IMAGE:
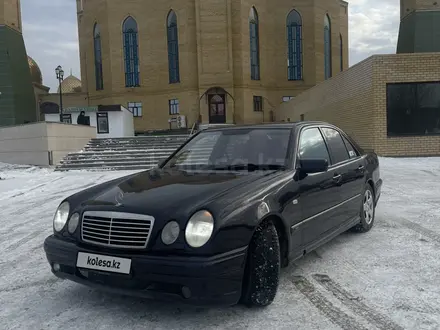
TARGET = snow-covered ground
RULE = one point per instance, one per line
(387, 279)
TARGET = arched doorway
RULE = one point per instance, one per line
(217, 100)
(217, 108)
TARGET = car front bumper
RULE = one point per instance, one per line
(196, 280)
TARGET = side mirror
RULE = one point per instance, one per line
(313, 165)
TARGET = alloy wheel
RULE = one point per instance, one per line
(368, 206)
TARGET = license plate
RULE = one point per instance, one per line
(103, 263)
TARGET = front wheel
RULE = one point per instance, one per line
(261, 277)
(367, 212)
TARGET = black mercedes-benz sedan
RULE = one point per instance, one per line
(217, 219)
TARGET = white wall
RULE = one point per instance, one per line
(42, 143)
(115, 125)
(120, 122)
(128, 122)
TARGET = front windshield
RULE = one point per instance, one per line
(234, 149)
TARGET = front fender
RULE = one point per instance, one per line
(238, 227)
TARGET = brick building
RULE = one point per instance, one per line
(222, 60)
(387, 103)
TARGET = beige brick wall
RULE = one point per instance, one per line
(355, 100)
(345, 100)
(214, 52)
(395, 69)
(343, 30)
(69, 99)
(155, 107)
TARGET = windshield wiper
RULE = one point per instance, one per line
(250, 167)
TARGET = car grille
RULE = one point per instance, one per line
(116, 229)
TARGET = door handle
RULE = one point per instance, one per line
(337, 177)
(361, 167)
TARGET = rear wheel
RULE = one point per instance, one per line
(261, 277)
(367, 212)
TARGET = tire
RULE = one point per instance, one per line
(367, 212)
(262, 271)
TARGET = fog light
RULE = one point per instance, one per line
(56, 267)
(170, 232)
(186, 292)
(73, 223)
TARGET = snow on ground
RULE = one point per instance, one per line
(385, 279)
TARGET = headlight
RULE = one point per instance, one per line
(170, 232)
(199, 229)
(73, 223)
(61, 216)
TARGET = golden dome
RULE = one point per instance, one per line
(71, 85)
(36, 75)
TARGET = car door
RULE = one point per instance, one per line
(318, 192)
(347, 163)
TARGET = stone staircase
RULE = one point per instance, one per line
(130, 153)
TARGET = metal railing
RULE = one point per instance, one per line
(192, 129)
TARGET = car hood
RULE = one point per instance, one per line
(164, 192)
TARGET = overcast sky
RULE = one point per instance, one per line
(51, 36)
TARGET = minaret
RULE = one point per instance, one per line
(10, 14)
(17, 98)
(419, 26)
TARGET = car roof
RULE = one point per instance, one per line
(289, 125)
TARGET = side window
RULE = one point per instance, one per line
(351, 151)
(312, 145)
(336, 145)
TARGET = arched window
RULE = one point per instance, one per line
(98, 57)
(294, 46)
(131, 52)
(255, 44)
(327, 48)
(341, 52)
(173, 48)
